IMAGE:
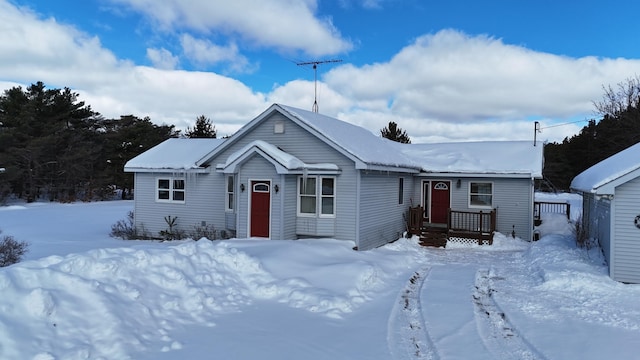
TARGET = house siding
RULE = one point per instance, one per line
(596, 215)
(625, 265)
(512, 197)
(381, 216)
(307, 147)
(204, 203)
(257, 168)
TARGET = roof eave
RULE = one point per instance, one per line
(198, 170)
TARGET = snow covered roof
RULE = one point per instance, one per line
(358, 142)
(173, 154)
(367, 150)
(285, 163)
(478, 158)
(603, 177)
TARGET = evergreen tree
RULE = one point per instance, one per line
(618, 129)
(124, 139)
(394, 133)
(202, 129)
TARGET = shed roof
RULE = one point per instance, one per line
(603, 177)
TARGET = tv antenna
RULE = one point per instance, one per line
(315, 64)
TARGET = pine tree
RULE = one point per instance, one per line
(394, 133)
(202, 129)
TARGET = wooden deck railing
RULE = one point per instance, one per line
(540, 207)
(472, 225)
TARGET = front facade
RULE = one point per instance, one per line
(291, 174)
(611, 211)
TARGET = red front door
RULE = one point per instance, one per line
(260, 206)
(440, 201)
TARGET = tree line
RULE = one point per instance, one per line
(55, 147)
(617, 129)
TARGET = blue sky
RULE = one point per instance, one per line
(445, 71)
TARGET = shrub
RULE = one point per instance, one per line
(172, 232)
(11, 251)
(582, 235)
(126, 229)
(204, 231)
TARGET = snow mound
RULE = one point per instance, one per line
(109, 303)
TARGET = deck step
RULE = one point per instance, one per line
(435, 237)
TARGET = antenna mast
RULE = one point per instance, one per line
(315, 64)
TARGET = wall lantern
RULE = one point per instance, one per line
(276, 188)
(458, 183)
(242, 187)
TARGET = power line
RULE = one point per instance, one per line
(563, 124)
(315, 64)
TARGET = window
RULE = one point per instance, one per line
(481, 194)
(229, 203)
(307, 198)
(316, 195)
(170, 190)
(328, 196)
(400, 191)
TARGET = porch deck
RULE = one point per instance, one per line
(464, 226)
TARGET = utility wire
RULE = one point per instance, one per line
(556, 125)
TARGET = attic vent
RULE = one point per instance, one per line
(278, 127)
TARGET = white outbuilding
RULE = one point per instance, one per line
(611, 210)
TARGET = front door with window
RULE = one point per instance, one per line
(260, 208)
(440, 201)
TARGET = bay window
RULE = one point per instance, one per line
(316, 196)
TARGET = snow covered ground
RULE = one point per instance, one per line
(83, 295)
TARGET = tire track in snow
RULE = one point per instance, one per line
(407, 336)
(498, 334)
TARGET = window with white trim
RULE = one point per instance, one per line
(170, 190)
(316, 196)
(481, 194)
(230, 198)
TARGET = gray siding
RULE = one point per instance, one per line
(381, 219)
(596, 215)
(203, 203)
(289, 203)
(299, 142)
(513, 199)
(257, 168)
(625, 265)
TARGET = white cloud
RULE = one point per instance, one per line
(445, 86)
(203, 53)
(162, 58)
(449, 79)
(281, 24)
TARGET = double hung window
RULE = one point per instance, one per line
(170, 190)
(481, 194)
(316, 196)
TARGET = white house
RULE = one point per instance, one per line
(291, 173)
(611, 210)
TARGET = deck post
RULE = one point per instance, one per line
(480, 228)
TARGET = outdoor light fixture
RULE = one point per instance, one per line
(242, 187)
(276, 188)
(458, 183)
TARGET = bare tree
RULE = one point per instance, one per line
(620, 99)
